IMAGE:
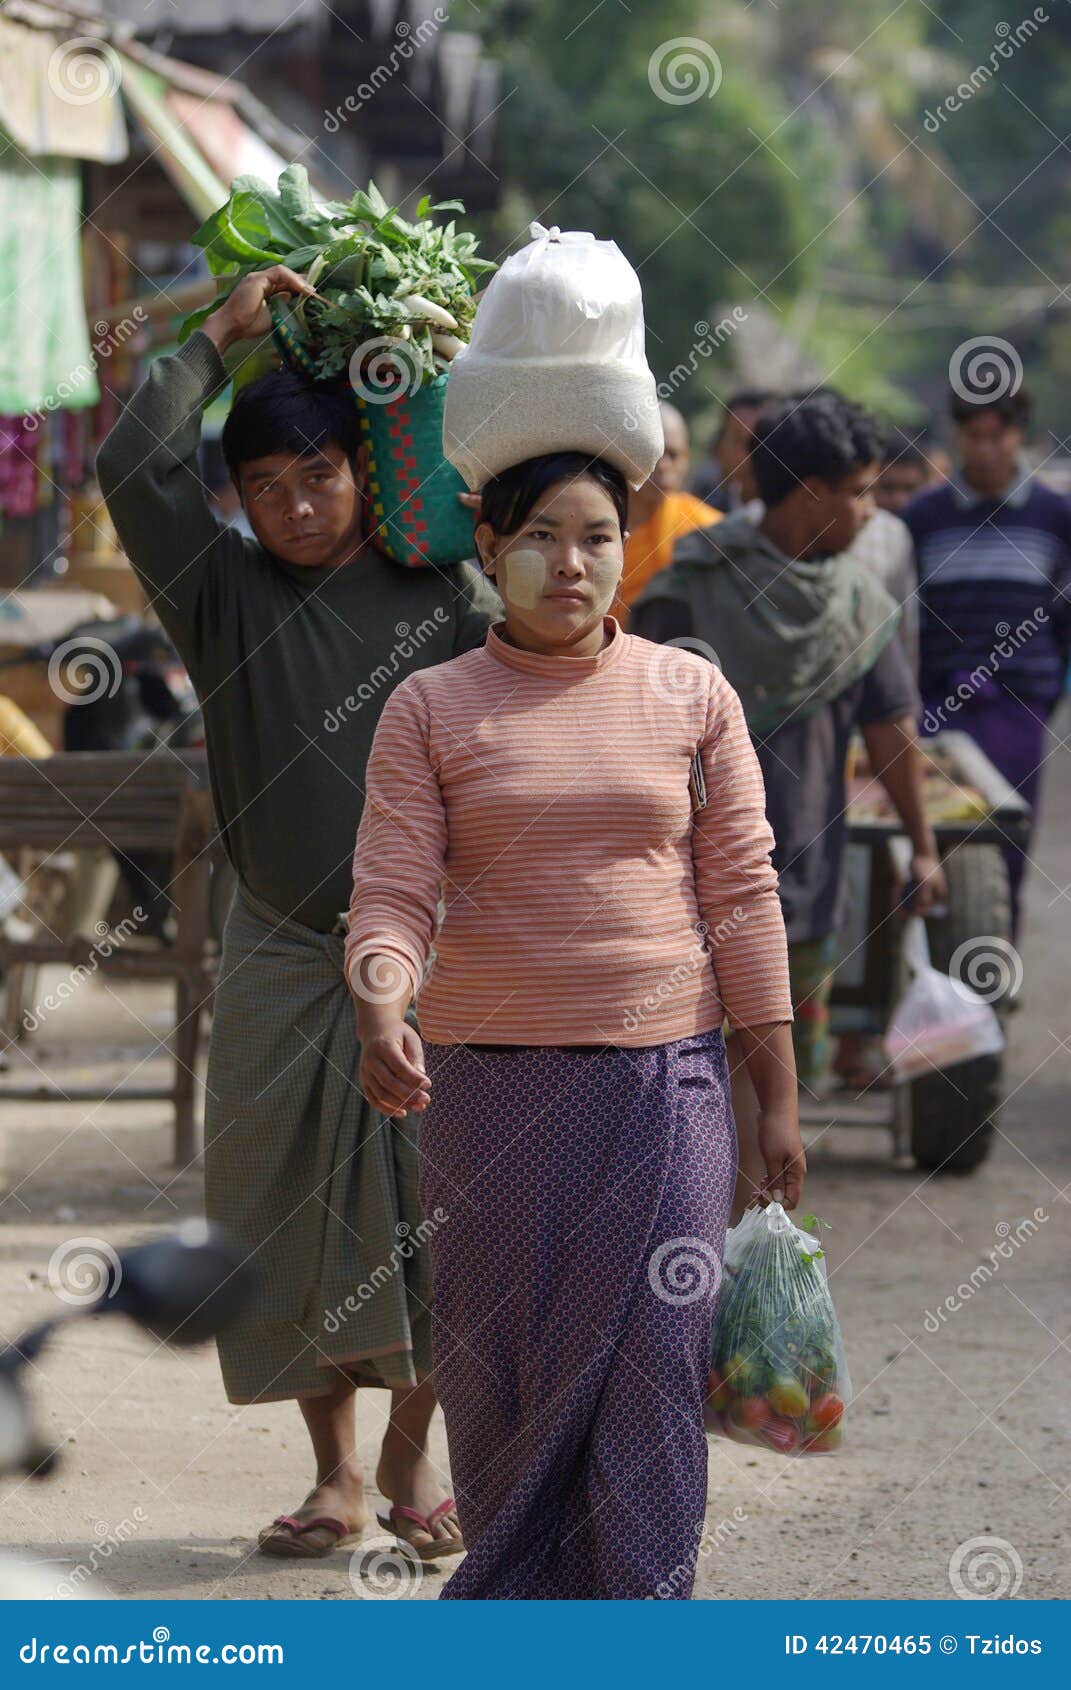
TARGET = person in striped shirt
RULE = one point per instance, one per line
(593, 811)
(994, 558)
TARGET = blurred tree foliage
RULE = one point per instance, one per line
(821, 183)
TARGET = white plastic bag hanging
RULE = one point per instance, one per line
(556, 362)
(938, 1021)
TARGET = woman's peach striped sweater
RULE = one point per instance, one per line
(547, 798)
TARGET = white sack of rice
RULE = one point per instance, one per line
(556, 362)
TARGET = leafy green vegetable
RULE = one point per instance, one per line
(376, 273)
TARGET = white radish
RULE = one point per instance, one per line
(418, 306)
(447, 345)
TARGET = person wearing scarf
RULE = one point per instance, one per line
(806, 637)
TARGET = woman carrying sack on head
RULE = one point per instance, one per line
(591, 808)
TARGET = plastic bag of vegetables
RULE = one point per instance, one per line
(778, 1376)
(396, 302)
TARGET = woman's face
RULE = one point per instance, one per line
(558, 574)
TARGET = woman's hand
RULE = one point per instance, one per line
(771, 1068)
(392, 1073)
(781, 1149)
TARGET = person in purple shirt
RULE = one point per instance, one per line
(993, 546)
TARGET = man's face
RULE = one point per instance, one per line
(839, 509)
(897, 484)
(988, 448)
(305, 510)
(734, 441)
(672, 467)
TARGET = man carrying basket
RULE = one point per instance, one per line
(295, 640)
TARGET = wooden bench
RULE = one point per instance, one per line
(127, 801)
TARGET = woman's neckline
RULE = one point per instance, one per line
(558, 664)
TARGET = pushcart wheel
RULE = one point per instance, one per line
(952, 1113)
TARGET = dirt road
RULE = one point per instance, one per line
(960, 1430)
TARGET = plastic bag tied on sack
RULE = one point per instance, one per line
(581, 302)
(778, 1376)
(939, 1021)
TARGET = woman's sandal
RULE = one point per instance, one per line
(292, 1546)
(439, 1546)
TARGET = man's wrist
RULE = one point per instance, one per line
(219, 331)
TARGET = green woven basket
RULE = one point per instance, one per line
(416, 516)
(412, 488)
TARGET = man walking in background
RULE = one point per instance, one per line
(994, 560)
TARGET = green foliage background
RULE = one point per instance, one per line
(865, 243)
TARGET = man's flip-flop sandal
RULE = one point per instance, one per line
(292, 1544)
(439, 1546)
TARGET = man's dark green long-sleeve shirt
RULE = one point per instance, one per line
(292, 665)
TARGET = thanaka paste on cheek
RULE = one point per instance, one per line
(522, 577)
(605, 578)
